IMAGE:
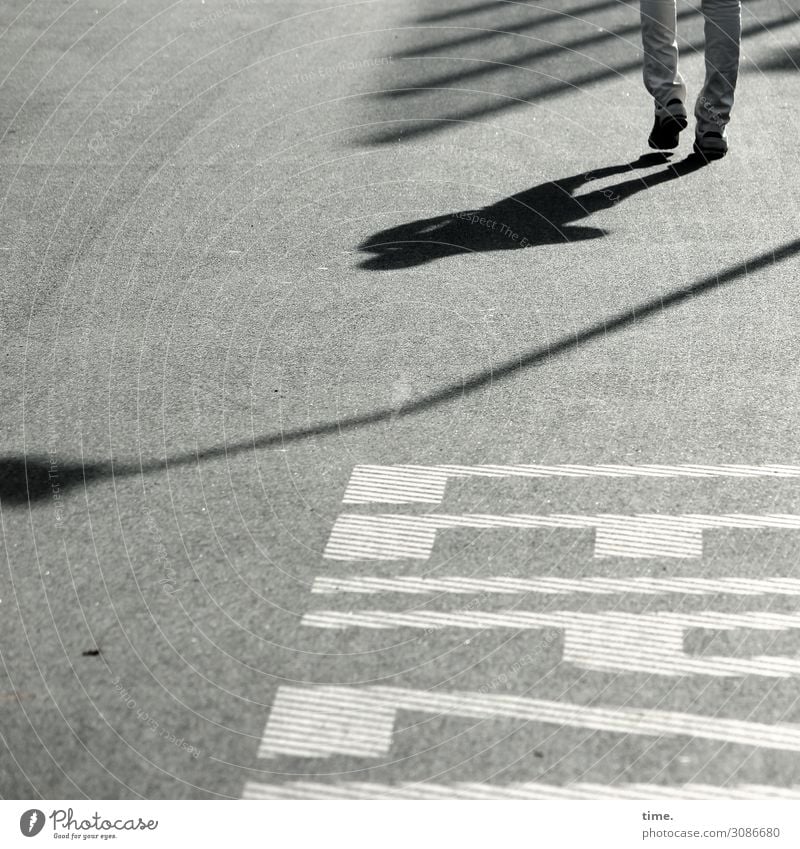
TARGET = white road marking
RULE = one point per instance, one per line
(558, 586)
(406, 484)
(523, 790)
(519, 619)
(393, 537)
(606, 642)
(322, 721)
(326, 720)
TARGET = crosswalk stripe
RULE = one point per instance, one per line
(520, 619)
(360, 721)
(522, 790)
(604, 642)
(426, 484)
(392, 536)
(557, 586)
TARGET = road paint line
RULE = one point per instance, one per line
(520, 619)
(557, 586)
(298, 715)
(360, 721)
(393, 537)
(426, 484)
(522, 790)
(658, 536)
(602, 642)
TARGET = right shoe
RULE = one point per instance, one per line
(668, 126)
(711, 145)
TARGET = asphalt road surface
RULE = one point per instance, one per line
(379, 418)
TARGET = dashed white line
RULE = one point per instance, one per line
(557, 586)
(522, 790)
(518, 619)
(605, 642)
(426, 484)
(394, 537)
(360, 721)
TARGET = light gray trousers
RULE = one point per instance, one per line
(723, 32)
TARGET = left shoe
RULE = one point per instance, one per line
(668, 126)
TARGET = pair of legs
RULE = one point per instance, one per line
(723, 31)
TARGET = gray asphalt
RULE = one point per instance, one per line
(232, 273)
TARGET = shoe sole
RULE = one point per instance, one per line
(710, 153)
(666, 137)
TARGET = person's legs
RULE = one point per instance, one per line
(660, 43)
(723, 29)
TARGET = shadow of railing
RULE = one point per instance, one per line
(781, 60)
(542, 18)
(31, 478)
(480, 72)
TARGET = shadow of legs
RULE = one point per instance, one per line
(544, 214)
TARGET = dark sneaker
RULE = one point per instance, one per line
(668, 126)
(710, 145)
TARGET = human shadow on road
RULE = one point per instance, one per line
(29, 478)
(542, 215)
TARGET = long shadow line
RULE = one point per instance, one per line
(538, 53)
(437, 17)
(502, 102)
(32, 477)
(784, 59)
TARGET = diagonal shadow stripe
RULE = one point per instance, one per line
(479, 34)
(25, 478)
(403, 129)
(496, 5)
(488, 66)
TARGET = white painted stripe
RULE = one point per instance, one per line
(524, 790)
(651, 536)
(603, 642)
(392, 536)
(299, 724)
(519, 619)
(408, 483)
(558, 586)
(395, 484)
(360, 721)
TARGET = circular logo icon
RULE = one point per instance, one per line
(31, 822)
